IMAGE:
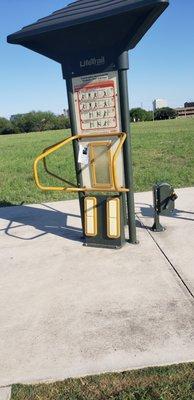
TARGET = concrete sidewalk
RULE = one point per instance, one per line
(178, 241)
(68, 310)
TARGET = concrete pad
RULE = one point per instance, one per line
(69, 311)
(177, 241)
(5, 393)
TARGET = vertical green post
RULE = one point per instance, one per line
(74, 132)
(127, 151)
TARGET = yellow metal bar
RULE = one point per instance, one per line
(45, 154)
(51, 149)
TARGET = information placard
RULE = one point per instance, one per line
(97, 103)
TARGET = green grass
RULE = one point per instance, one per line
(162, 151)
(167, 383)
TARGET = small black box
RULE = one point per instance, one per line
(164, 198)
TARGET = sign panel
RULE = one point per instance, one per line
(96, 99)
(83, 156)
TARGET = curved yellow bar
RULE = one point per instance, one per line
(57, 146)
(45, 154)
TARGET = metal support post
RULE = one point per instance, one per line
(125, 121)
(157, 227)
(75, 144)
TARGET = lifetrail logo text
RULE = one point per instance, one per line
(92, 62)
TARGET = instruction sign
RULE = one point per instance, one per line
(97, 103)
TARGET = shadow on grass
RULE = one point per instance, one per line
(44, 220)
(4, 203)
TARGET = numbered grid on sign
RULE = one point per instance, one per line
(97, 106)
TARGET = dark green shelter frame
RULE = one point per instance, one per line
(94, 36)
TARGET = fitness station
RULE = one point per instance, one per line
(91, 40)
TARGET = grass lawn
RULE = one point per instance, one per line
(161, 151)
(167, 383)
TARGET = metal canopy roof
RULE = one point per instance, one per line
(89, 27)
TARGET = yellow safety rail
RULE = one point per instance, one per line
(57, 146)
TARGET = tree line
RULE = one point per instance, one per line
(38, 121)
(34, 121)
(139, 114)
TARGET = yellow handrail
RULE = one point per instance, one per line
(57, 146)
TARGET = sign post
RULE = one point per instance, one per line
(123, 81)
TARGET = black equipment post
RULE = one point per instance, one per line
(74, 131)
(127, 151)
(164, 203)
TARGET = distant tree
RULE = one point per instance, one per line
(6, 127)
(35, 121)
(62, 122)
(67, 123)
(165, 113)
(139, 114)
(149, 116)
(38, 121)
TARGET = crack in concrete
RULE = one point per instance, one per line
(166, 257)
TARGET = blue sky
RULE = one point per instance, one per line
(161, 66)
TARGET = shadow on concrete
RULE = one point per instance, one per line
(146, 210)
(177, 214)
(45, 220)
(140, 224)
